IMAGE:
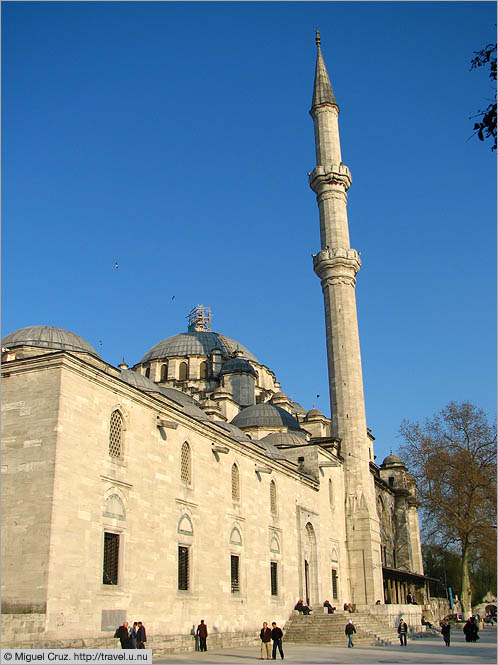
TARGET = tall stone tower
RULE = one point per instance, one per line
(337, 265)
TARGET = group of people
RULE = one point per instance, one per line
(267, 636)
(132, 638)
(302, 608)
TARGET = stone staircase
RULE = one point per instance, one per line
(319, 628)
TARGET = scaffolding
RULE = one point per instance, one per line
(199, 319)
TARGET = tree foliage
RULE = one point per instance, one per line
(452, 456)
(486, 127)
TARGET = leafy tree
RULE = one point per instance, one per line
(486, 127)
(442, 564)
(452, 456)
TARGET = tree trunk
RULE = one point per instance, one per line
(466, 591)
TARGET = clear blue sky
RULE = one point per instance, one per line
(175, 139)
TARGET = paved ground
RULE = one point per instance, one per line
(422, 651)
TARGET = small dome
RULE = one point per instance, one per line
(297, 408)
(196, 343)
(392, 460)
(286, 438)
(139, 381)
(237, 364)
(265, 415)
(48, 337)
(313, 413)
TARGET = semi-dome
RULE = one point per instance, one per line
(196, 343)
(139, 381)
(265, 415)
(237, 364)
(48, 337)
(286, 438)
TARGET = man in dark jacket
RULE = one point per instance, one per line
(446, 632)
(276, 636)
(402, 631)
(265, 636)
(123, 636)
(202, 632)
(141, 636)
(349, 630)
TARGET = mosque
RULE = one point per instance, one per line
(189, 485)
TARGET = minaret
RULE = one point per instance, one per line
(337, 265)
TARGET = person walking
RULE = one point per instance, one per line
(402, 631)
(265, 636)
(349, 630)
(202, 632)
(133, 635)
(141, 635)
(445, 631)
(123, 635)
(276, 636)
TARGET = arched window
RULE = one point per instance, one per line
(116, 435)
(331, 493)
(183, 371)
(273, 497)
(164, 372)
(147, 372)
(203, 368)
(235, 483)
(185, 464)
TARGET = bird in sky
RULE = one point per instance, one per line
(100, 342)
(173, 297)
(116, 265)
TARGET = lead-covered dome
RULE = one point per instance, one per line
(265, 415)
(393, 460)
(238, 364)
(48, 337)
(196, 343)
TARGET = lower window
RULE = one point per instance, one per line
(235, 573)
(274, 578)
(111, 558)
(334, 583)
(183, 568)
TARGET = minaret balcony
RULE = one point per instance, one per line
(338, 261)
(331, 174)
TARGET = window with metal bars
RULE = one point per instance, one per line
(183, 568)
(111, 558)
(235, 573)
(274, 578)
(185, 464)
(235, 483)
(334, 584)
(116, 435)
(273, 497)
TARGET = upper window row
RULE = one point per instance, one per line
(183, 371)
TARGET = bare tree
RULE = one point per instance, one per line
(452, 456)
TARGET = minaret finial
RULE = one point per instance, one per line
(317, 38)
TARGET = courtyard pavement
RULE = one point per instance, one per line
(427, 650)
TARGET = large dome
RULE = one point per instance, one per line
(196, 343)
(265, 415)
(48, 337)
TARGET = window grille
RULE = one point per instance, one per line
(203, 370)
(111, 558)
(183, 371)
(334, 584)
(234, 573)
(235, 483)
(274, 578)
(115, 434)
(164, 372)
(183, 568)
(273, 497)
(185, 472)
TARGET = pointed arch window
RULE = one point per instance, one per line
(273, 498)
(235, 483)
(183, 371)
(116, 435)
(186, 464)
(164, 372)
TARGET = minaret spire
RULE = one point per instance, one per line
(337, 265)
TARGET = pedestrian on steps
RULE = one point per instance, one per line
(349, 630)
